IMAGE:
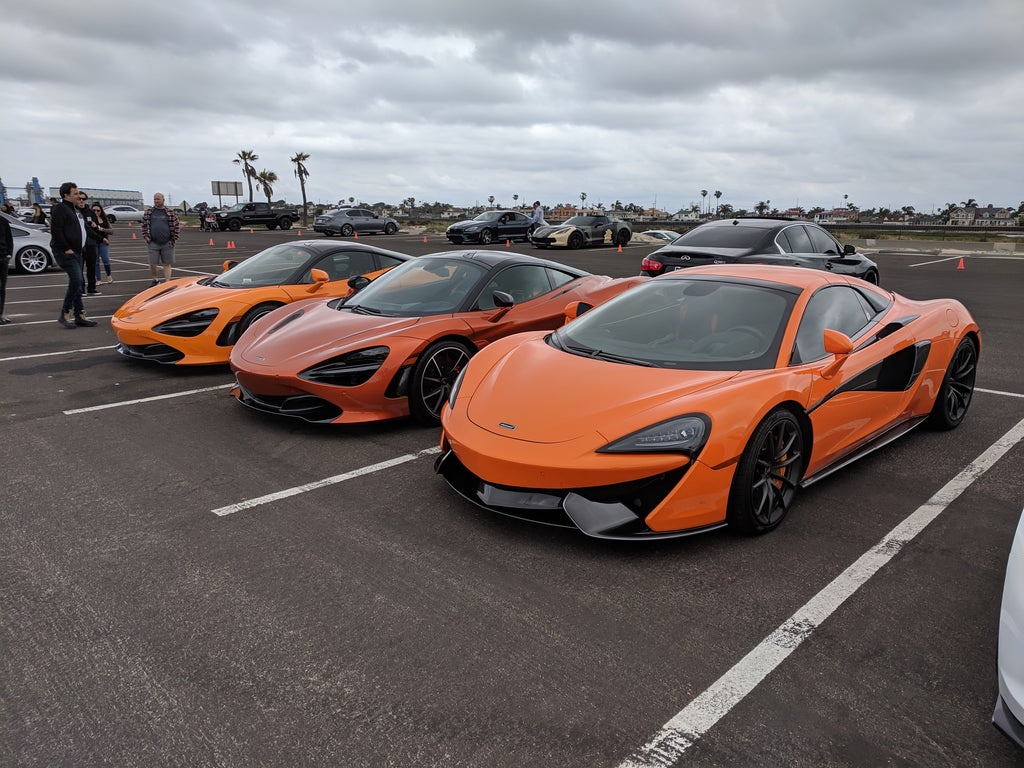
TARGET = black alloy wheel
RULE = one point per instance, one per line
(390, 228)
(871, 277)
(284, 223)
(623, 237)
(486, 237)
(575, 240)
(347, 230)
(957, 388)
(433, 377)
(768, 474)
(234, 225)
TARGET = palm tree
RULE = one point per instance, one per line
(515, 199)
(246, 158)
(267, 179)
(302, 173)
(718, 195)
(490, 199)
(583, 199)
(703, 195)
(970, 202)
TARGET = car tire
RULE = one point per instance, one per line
(284, 223)
(871, 277)
(252, 316)
(575, 241)
(111, 218)
(390, 228)
(433, 377)
(486, 237)
(347, 230)
(32, 260)
(768, 474)
(235, 224)
(957, 388)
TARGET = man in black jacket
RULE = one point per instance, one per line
(67, 239)
(6, 251)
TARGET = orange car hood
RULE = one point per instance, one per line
(317, 334)
(551, 396)
(154, 306)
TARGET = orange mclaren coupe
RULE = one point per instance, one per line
(196, 321)
(396, 347)
(701, 399)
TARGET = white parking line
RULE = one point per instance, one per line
(683, 730)
(48, 354)
(937, 261)
(277, 496)
(146, 399)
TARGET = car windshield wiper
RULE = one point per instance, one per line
(363, 310)
(610, 356)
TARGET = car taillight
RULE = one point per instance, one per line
(650, 265)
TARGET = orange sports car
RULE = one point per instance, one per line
(703, 398)
(395, 347)
(196, 321)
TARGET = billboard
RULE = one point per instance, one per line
(233, 188)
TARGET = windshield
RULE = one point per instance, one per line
(488, 216)
(736, 236)
(585, 221)
(235, 207)
(697, 324)
(423, 286)
(273, 266)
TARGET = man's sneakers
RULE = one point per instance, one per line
(81, 319)
(66, 319)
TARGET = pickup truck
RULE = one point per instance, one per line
(251, 214)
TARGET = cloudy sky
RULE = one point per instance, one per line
(800, 102)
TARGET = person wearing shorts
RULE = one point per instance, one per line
(160, 230)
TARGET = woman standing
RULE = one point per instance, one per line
(38, 216)
(103, 247)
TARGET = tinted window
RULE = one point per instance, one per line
(736, 236)
(839, 308)
(342, 265)
(424, 286)
(822, 241)
(270, 267)
(523, 282)
(388, 261)
(799, 242)
(559, 278)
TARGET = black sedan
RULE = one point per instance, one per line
(760, 241)
(491, 226)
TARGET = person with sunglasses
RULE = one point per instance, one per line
(105, 228)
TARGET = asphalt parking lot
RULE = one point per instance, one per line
(186, 582)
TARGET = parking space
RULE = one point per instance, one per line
(189, 582)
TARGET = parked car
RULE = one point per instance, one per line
(580, 231)
(701, 399)
(491, 226)
(196, 320)
(395, 348)
(123, 213)
(32, 253)
(255, 214)
(760, 241)
(661, 234)
(350, 221)
(1009, 711)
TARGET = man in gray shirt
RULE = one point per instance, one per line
(160, 230)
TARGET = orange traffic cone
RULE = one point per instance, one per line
(508, 243)
(356, 235)
(298, 233)
(424, 238)
(620, 247)
(129, 223)
(211, 241)
(961, 264)
(250, 230)
(133, 235)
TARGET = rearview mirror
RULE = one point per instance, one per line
(320, 278)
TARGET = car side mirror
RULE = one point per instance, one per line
(574, 309)
(840, 345)
(229, 264)
(358, 282)
(503, 300)
(320, 279)
(849, 249)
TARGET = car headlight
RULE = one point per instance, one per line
(348, 370)
(683, 434)
(188, 325)
(455, 387)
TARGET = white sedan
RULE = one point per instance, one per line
(123, 213)
(1009, 713)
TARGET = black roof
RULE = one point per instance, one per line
(495, 258)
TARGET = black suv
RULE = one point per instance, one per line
(760, 241)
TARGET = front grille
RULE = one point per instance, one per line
(157, 353)
(306, 407)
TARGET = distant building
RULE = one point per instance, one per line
(983, 217)
(793, 213)
(836, 216)
(108, 197)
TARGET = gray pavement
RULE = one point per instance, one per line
(379, 620)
